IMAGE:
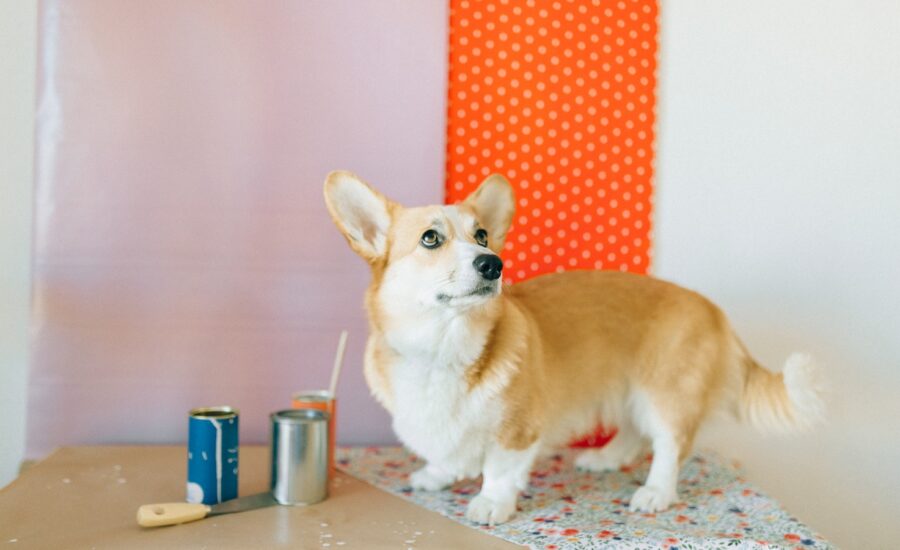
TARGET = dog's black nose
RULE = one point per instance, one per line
(489, 265)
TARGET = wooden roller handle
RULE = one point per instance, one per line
(170, 513)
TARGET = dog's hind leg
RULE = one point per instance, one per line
(505, 473)
(622, 450)
(660, 489)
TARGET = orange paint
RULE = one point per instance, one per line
(321, 400)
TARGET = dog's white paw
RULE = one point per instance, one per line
(485, 510)
(425, 480)
(596, 460)
(651, 499)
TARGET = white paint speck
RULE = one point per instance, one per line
(327, 536)
(323, 525)
(122, 480)
(67, 480)
(340, 543)
(117, 467)
(13, 540)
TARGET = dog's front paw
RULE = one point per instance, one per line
(427, 480)
(651, 499)
(484, 510)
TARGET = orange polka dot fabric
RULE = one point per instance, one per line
(558, 96)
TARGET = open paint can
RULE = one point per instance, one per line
(322, 400)
(212, 455)
(300, 456)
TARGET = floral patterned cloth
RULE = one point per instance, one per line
(566, 508)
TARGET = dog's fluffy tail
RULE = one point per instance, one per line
(782, 402)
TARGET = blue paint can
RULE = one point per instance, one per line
(212, 455)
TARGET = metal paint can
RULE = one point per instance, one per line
(299, 456)
(212, 475)
(321, 400)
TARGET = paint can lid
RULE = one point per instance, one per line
(214, 412)
(312, 396)
(299, 416)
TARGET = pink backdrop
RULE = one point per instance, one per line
(183, 254)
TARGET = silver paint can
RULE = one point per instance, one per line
(299, 456)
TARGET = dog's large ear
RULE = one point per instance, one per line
(361, 213)
(494, 204)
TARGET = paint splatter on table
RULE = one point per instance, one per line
(566, 508)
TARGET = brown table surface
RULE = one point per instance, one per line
(86, 497)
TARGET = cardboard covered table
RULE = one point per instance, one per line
(87, 497)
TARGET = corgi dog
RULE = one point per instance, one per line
(479, 377)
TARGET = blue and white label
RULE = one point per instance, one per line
(212, 459)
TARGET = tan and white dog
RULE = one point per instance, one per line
(479, 377)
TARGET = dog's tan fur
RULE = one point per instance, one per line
(575, 345)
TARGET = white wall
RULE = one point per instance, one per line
(778, 196)
(17, 77)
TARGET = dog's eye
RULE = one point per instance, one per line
(431, 239)
(481, 237)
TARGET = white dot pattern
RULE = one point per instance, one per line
(558, 96)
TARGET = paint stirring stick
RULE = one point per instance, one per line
(338, 362)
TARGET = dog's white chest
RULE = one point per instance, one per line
(439, 418)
